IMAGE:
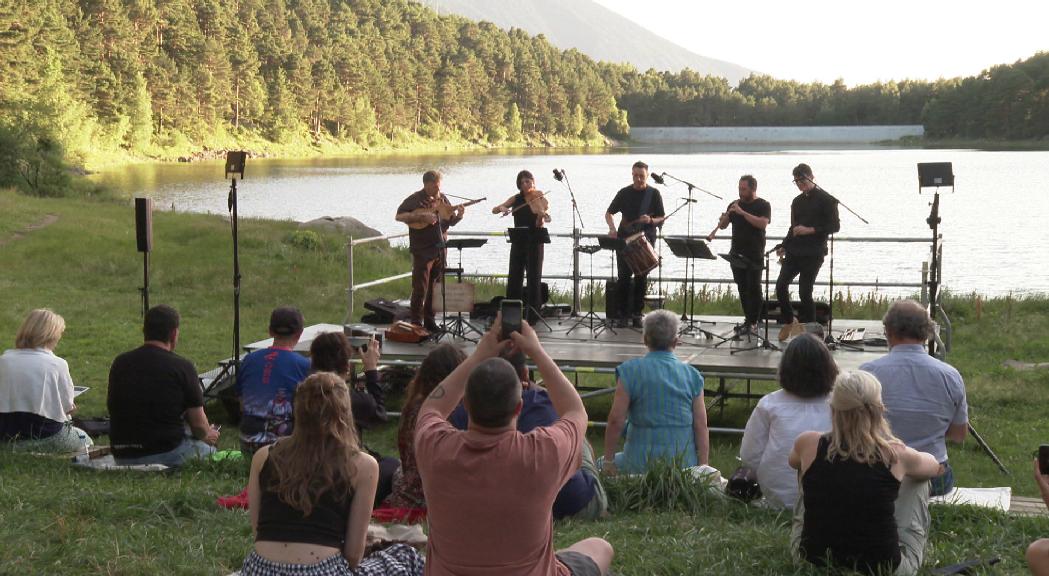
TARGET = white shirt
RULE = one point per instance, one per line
(769, 437)
(35, 381)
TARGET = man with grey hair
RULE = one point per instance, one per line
(662, 397)
(924, 397)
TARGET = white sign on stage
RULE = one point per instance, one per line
(460, 297)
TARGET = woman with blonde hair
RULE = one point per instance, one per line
(310, 494)
(36, 390)
(864, 494)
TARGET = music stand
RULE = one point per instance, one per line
(457, 327)
(602, 323)
(691, 249)
(530, 236)
(616, 246)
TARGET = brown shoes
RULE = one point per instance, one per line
(791, 330)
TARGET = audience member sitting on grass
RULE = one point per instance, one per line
(153, 395)
(407, 486)
(1038, 551)
(331, 352)
(310, 495)
(924, 397)
(864, 502)
(582, 497)
(659, 403)
(806, 375)
(36, 390)
(490, 489)
(266, 382)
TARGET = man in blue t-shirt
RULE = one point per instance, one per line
(267, 380)
(582, 497)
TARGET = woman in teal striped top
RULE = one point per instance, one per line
(658, 403)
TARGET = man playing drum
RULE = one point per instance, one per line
(642, 209)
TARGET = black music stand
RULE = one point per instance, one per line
(457, 327)
(691, 249)
(601, 324)
(529, 236)
(616, 247)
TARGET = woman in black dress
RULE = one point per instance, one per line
(526, 255)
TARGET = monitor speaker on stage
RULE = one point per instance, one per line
(144, 224)
(935, 174)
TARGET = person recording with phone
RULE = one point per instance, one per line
(1038, 551)
(528, 208)
(490, 478)
(749, 217)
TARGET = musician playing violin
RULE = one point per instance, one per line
(749, 217)
(529, 208)
(642, 209)
(425, 244)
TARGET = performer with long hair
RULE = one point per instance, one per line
(528, 207)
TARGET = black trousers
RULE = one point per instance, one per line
(748, 284)
(631, 289)
(807, 267)
(526, 257)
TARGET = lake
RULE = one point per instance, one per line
(993, 224)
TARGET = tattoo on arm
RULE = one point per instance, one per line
(437, 393)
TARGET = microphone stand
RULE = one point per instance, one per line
(766, 344)
(830, 340)
(577, 227)
(690, 266)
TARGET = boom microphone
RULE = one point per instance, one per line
(559, 175)
(659, 179)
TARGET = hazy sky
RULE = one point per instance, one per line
(824, 40)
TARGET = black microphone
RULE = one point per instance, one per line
(692, 200)
(559, 175)
(658, 178)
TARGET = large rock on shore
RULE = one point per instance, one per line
(345, 225)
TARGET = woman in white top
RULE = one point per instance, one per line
(36, 391)
(806, 375)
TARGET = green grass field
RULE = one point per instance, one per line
(58, 520)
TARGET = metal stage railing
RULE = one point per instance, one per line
(576, 277)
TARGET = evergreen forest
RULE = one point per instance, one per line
(80, 79)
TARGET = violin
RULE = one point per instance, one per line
(537, 203)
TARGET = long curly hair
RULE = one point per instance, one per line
(318, 456)
(859, 430)
(437, 365)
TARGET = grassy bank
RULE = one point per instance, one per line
(83, 264)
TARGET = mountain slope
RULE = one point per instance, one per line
(593, 30)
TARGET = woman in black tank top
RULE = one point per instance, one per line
(310, 495)
(526, 255)
(853, 511)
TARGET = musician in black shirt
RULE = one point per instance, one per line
(526, 255)
(813, 217)
(642, 209)
(749, 217)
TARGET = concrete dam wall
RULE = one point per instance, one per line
(773, 134)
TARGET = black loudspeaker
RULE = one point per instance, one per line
(144, 224)
(932, 174)
(612, 299)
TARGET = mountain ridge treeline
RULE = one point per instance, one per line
(145, 77)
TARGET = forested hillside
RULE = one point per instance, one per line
(149, 78)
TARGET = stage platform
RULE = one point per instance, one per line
(581, 351)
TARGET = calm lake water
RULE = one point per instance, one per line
(994, 232)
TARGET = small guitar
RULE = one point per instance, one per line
(444, 211)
